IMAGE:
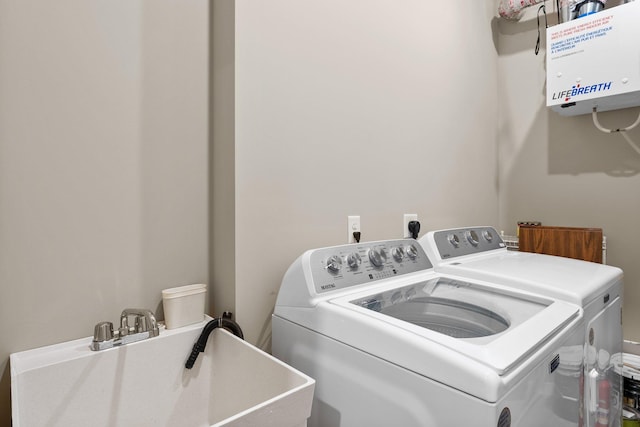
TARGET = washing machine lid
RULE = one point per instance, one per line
(493, 327)
(451, 307)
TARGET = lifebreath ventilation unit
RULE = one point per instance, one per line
(593, 62)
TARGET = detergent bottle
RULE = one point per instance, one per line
(601, 390)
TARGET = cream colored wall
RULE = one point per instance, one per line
(375, 108)
(103, 163)
(370, 107)
(222, 265)
(562, 170)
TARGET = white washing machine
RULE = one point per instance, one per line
(479, 253)
(390, 342)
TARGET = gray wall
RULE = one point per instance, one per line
(103, 163)
(562, 170)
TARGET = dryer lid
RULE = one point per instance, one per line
(569, 279)
(485, 257)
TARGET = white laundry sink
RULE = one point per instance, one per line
(145, 383)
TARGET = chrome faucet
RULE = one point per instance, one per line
(145, 321)
(145, 326)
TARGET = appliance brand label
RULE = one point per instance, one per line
(578, 90)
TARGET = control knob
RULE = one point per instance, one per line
(488, 236)
(454, 240)
(377, 257)
(398, 253)
(472, 237)
(354, 260)
(412, 251)
(334, 264)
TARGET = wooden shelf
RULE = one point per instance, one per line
(570, 242)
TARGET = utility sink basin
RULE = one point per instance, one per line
(145, 383)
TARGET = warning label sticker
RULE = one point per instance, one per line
(568, 41)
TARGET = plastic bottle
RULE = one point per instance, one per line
(603, 391)
(581, 401)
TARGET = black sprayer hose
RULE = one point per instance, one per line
(201, 343)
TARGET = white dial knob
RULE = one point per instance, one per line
(488, 235)
(334, 264)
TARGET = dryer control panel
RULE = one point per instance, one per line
(340, 267)
(466, 241)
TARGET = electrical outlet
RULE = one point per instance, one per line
(405, 224)
(353, 225)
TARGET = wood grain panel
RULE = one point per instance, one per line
(570, 242)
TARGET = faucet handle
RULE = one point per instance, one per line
(145, 321)
(103, 331)
(124, 327)
(141, 324)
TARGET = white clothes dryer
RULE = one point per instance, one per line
(479, 253)
(391, 342)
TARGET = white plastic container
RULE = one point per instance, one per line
(184, 305)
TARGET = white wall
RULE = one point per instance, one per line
(103, 163)
(562, 170)
(365, 107)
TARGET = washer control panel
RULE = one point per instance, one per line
(466, 241)
(340, 267)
